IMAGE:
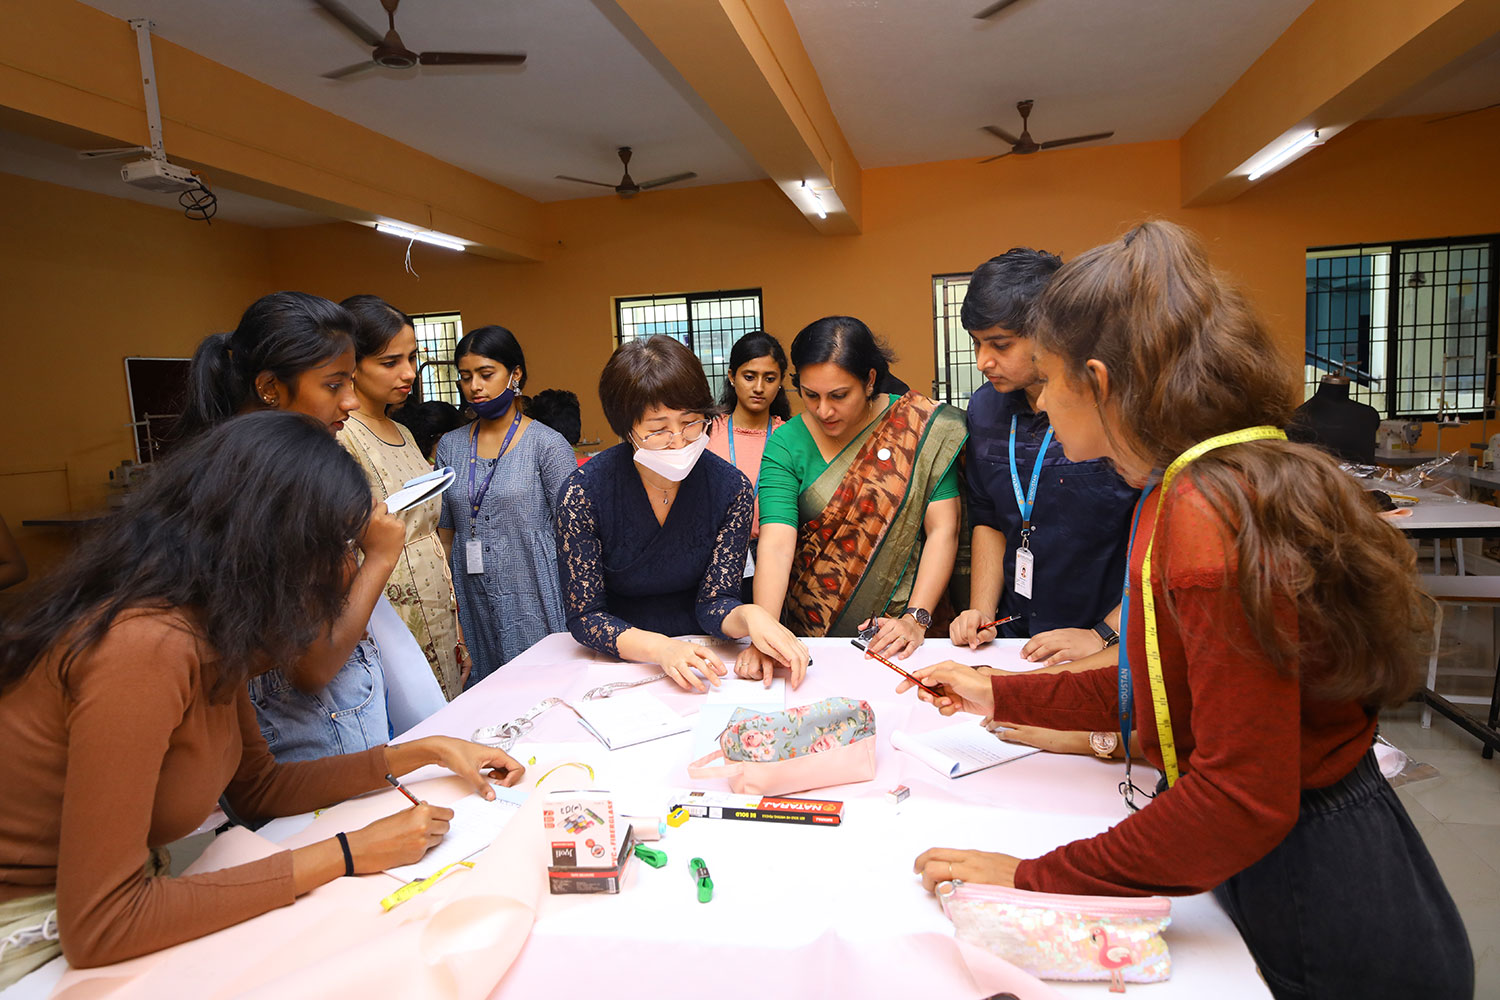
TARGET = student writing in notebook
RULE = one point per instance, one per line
(124, 713)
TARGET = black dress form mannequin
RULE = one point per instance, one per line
(1337, 424)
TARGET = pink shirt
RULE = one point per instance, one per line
(749, 446)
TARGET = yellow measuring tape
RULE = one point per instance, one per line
(1153, 644)
(411, 889)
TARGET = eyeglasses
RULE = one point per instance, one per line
(657, 440)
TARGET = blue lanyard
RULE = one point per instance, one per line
(1027, 502)
(1127, 689)
(477, 499)
(731, 449)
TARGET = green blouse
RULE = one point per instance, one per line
(792, 462)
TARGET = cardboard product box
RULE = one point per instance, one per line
(569, 880)
(761, 808)
(582, 828)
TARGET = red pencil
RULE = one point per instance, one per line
(999, 621)
(402, 789)
(937, 691)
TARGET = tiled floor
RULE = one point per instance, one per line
(1458, 812)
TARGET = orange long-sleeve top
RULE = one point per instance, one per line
(1249, 739)
(130, 754)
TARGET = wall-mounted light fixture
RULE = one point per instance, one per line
(420, 235)
(1296, 147)
(817, 200)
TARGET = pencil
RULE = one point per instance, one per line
(998, 621)
(402, 789)
(936, 692)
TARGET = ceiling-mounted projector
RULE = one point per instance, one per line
(158, 175)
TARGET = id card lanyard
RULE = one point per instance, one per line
(474, 549)
(1154, 674)
(749, 555)
(1025, 561)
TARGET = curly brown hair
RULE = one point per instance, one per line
(1187, 360)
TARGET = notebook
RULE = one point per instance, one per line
(419, 490)
(475, 824)
(629, 718)
(958, 750)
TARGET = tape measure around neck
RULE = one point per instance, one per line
(1148, 601)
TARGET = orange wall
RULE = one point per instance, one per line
(88, 281)
(1377, 181)
(91, 279)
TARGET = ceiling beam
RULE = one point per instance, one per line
(70, 64)
(1339, 61)
(746, 61)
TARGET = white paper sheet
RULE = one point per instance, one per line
(959, 750)
(475, 825)
(630, 717)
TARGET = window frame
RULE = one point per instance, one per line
(712, 370)
(427, 359)
(951, 353)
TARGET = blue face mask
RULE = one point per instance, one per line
(493, 409)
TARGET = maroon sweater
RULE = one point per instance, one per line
(1249, 739)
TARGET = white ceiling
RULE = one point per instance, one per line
(910, 80)
(40, 160)
(590, 84)
(913, 82)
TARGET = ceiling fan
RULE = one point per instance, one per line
(1026, 145)
(628, 188)
(391, 52)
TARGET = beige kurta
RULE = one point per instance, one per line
(420, 586)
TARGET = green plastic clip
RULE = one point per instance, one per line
(699, 871)
(650, 855)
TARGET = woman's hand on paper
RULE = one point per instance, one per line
(965, 630)
(1061, 645)
(398, 839)
(944, 864)
(896, 638)
(383, 537)
(776, 645)
(968, 690)
(1051, 740)
(469, 761)
(682, 662)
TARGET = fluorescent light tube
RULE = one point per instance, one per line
(421, 236)
(817, 200)
(1308, 140)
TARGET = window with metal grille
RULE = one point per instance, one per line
(707, 322)
(1411, 324)
(953, 350)
(437, 335)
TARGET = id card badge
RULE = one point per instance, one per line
(1025, 566)
(474, 556)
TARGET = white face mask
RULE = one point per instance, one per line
(673, 464)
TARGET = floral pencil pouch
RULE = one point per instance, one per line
(830, 742)
(1052, 936)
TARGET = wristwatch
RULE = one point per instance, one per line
(922, 615)
(1104, 744)
(1109, 635)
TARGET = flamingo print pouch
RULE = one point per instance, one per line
(830, 742)
(1106, 938)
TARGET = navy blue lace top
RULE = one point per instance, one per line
(620, 569)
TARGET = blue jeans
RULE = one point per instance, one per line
(1350, 904)
(347, 716)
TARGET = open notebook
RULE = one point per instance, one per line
(959, 750)
(420, 489)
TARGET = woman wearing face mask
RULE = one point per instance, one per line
(756, 404)
(497, 518)
(294, 351)
(859, 499)
(652, 532)
(420, 589)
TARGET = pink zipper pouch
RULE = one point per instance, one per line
(830, 742)
(1073, 938)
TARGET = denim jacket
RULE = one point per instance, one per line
(347, 716)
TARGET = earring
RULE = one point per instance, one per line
(269, 400)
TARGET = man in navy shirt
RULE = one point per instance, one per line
(1050, 536)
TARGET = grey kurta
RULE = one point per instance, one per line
(516, 601)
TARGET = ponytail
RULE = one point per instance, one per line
(214, 392)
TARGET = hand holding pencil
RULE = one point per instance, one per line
(973, 628)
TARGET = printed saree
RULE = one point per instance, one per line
(861, 535)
